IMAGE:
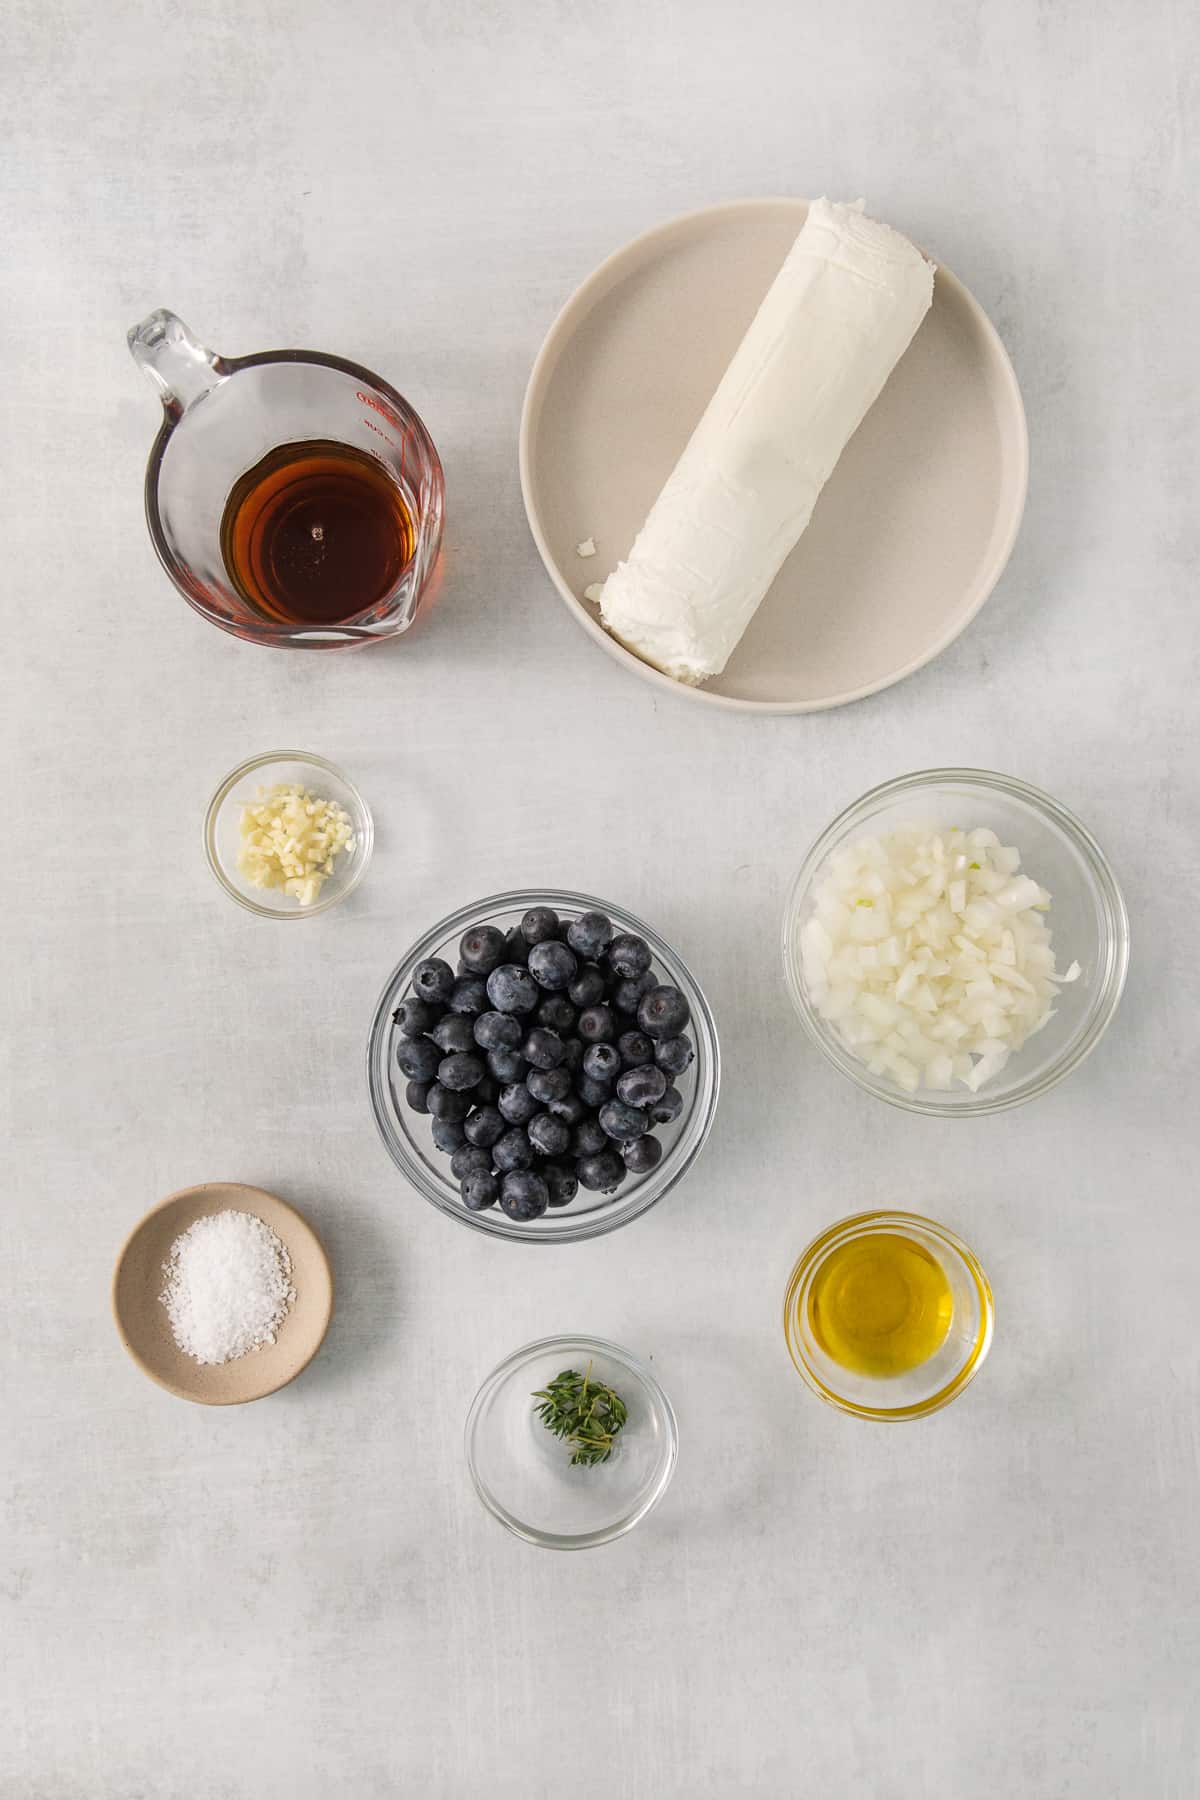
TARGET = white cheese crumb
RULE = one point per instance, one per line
(593, 592)
(587, 548)
(290, 838)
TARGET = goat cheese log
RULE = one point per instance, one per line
(835, 322)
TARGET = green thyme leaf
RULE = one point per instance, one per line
(584, 1412)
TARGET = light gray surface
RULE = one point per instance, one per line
(303, 1598)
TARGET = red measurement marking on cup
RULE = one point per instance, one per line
(382, 407)
(372, 426)
(393, 418)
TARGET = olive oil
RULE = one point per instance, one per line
(880, 1305)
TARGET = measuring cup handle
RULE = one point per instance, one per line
(181, 370)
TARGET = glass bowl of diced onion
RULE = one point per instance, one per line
(288, 835)
(956, 942)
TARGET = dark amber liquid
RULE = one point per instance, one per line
(315, 533)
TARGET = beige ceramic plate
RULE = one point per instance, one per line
(142, 1321)
(911, 532)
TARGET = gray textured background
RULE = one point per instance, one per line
(303, 1598)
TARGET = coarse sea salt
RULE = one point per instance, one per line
(229, 1286)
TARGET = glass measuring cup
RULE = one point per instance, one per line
(221, 417)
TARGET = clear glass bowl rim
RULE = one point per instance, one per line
(548, 1540)
(364, 831)
(1112, 905)
(815, 1253)
(606, 1218)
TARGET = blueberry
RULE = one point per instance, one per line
(553, 966)
(589, 1138)
(480, 1190)
(674, 1054)
(417, 1095)
(593, 1093)
(448, 1135)
(621, 1121)
(556, 1013)
(595, 1025)
(487, 1091)
(570, 1108)
(588, 987)
(548, 1135)
(461, 1072)
(543, 1049)
(573, 1054)
(642, 1087)
(517, 1104)
(469, 995)
(539, 925)
(485, 1125)
(447, 1103)
(467, 1159)
(512, 990)
(627, 994)
(507, 1065)
(548, 1084)
(669, 1107)
(512, 1151)
(561, 1184)
(453, 1033)
(589, 935)
(524, 1196)
(433, 980)
(516, 950)
(663, 1013)
(641, 1155)
(602, 1062)
(603, 1174)
(629, 955)
(418, 1058)
(482, 949)
(415, 1017)
(497, 1031)
(635, 1048)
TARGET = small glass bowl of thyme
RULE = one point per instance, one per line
(571, 1441)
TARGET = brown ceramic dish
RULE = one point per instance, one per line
(912, 530)
(141, 1319)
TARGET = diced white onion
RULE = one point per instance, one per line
(929, 953)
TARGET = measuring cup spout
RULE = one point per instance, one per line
(181, 370)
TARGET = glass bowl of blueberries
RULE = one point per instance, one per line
(543, 1066)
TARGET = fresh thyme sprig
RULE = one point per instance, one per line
(584, 1412)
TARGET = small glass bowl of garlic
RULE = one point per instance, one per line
(287, 835)
(956, 942)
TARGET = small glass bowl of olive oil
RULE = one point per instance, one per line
(888, 1315)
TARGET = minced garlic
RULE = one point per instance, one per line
(290, 837)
